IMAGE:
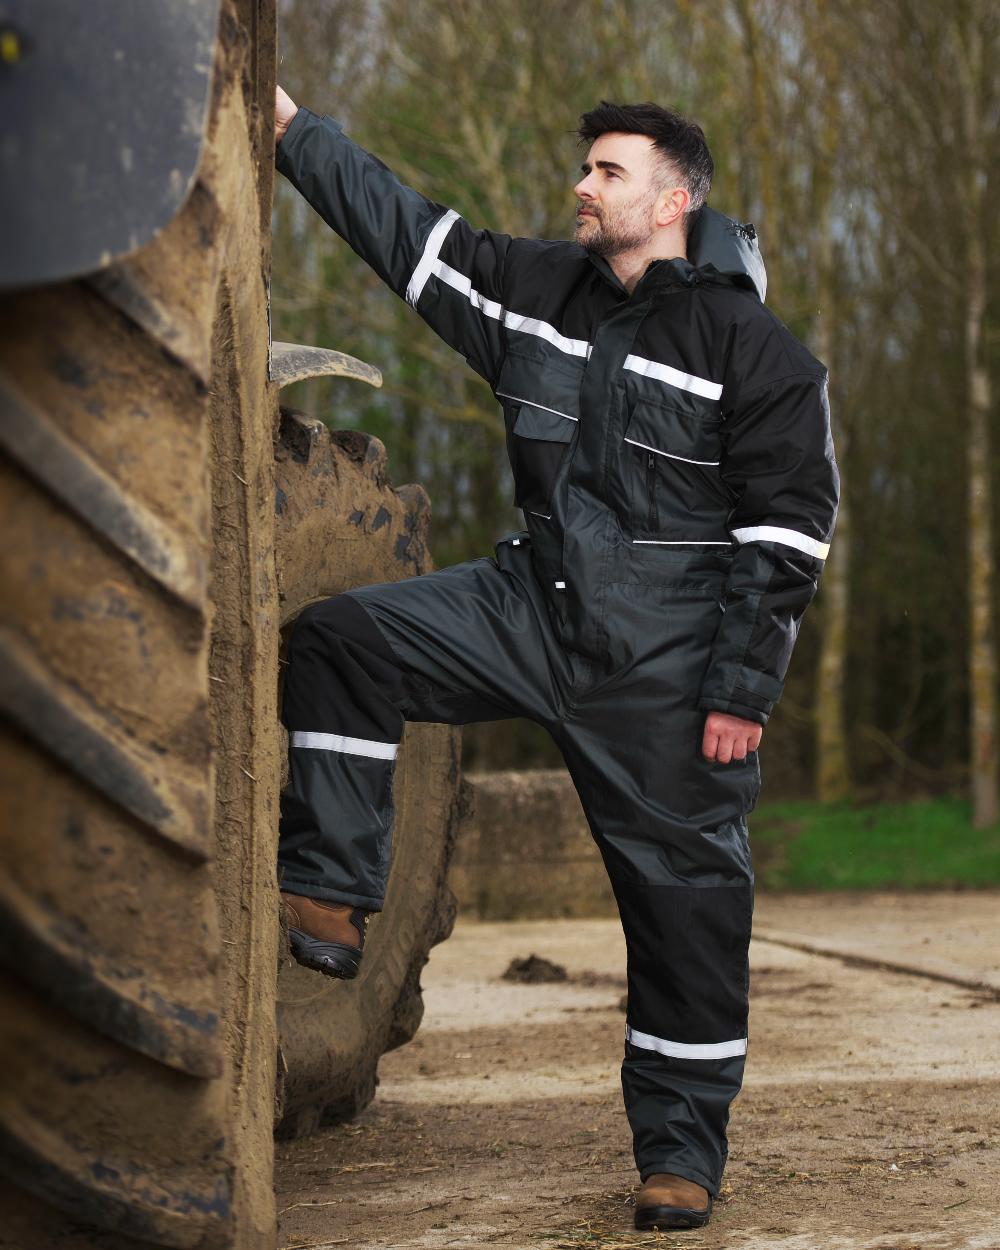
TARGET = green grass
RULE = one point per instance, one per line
(812, 846)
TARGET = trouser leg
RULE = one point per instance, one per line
(687, 1023)
(470, 642)
(685, 897)
(341, 704)
(672, 831)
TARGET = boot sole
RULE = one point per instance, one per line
(334, 959)
(672, 1217)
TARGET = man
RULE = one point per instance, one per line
(671, 451)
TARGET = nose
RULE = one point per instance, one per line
(582, 190)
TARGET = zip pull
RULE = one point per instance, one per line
(654, 524)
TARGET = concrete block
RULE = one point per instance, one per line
(525, 850)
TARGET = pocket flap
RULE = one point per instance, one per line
(547, 382)
(535, 422)
(674, 433)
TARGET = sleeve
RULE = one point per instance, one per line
(778, 463)
(429, 255)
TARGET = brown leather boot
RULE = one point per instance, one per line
(668, 1201)
(328, 937)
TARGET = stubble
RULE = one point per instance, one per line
(623, 229)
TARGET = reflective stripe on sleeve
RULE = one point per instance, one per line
(777, 534)
(490, 308)
(542, 330)
(350, 746)
(432, 249)
(459, 282)
(686, 1050)
(674, 377)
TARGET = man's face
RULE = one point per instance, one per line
(618, 194)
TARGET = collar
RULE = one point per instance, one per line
(659, 273)
(722, 250)
(604, 269)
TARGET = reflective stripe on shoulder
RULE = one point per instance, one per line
(350, 746)
(686, 1050)
(778, 534)
(428, 257)
(674, 377)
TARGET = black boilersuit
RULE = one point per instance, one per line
(672, 456)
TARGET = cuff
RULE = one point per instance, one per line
(734, 708)
(740, 691)
(281, 151)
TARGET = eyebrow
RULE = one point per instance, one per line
(585, 167)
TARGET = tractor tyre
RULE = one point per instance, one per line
(340, 523)
(139, 764)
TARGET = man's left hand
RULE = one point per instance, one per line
(728, 738)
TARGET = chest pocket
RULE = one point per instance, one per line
(670, 460)
(538, 443)
(672, 432)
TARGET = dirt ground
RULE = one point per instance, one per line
(868, 1120)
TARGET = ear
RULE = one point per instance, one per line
(672, 206)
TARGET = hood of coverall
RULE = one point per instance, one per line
(730, 247)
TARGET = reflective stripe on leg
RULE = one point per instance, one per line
(686, 1050)
(312, 741)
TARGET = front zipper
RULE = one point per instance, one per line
(651, 491)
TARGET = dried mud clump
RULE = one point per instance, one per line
(534, 970)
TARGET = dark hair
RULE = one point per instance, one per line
(680, 142)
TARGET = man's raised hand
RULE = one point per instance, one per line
(285, 109)
(729, 738)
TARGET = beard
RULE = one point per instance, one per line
(612, 231)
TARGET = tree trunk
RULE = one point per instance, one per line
(833, 779)
(833, 776)
(982, 650)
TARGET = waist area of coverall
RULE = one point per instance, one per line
(616, 604)
(631, 729)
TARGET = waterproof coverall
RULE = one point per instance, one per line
(672, 455)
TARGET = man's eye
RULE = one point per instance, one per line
(611, 174)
